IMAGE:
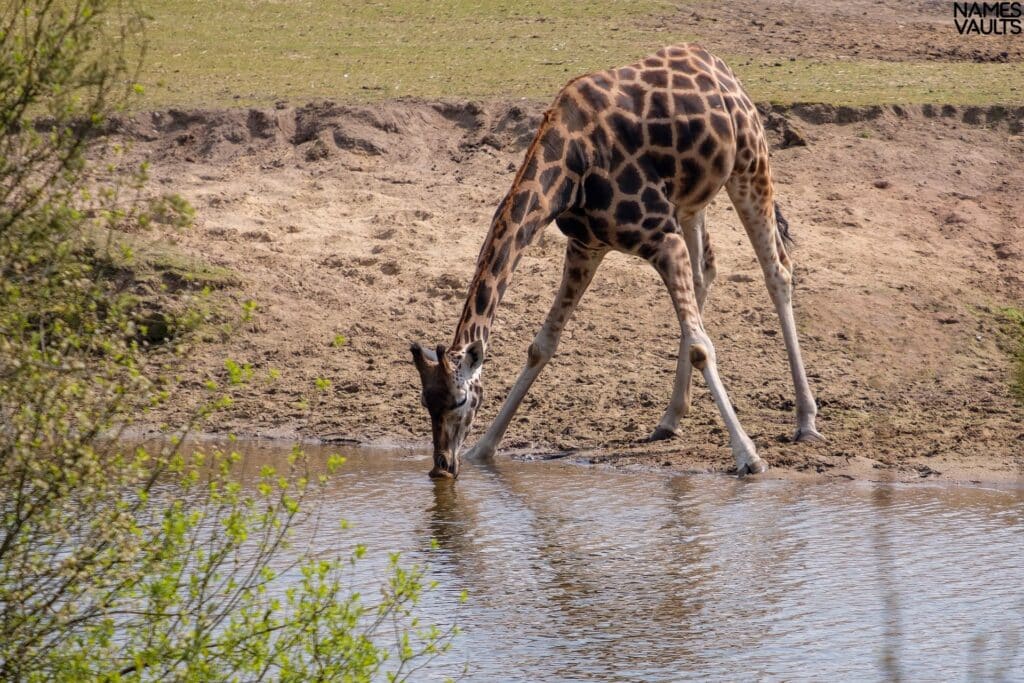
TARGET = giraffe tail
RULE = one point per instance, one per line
(783, 226)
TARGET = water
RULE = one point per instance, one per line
(583, 574)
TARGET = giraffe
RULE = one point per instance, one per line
(625, 159)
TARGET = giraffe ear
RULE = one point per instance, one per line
(442, 359)
(422, 357)
(473, 358)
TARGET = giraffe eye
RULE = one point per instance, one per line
(462, 402)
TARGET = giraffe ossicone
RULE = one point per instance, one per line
(625, 159)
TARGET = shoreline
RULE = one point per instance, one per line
(632, 464)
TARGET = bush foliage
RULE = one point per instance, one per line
(120, 563)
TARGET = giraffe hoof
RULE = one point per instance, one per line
(439, 473)
(754, 466)
(661, 433)
(808, 435)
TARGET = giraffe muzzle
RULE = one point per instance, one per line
(446, 466)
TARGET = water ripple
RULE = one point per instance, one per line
(579, 574)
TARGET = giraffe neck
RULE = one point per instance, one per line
(545, 186)
(513, 229)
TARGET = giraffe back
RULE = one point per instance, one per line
(649, 140)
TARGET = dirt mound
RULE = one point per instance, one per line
(396, 129)
(1008, 118)
(319, 130)
(361, 226)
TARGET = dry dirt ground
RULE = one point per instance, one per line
(365, 222)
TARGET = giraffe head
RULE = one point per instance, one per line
(452, 392)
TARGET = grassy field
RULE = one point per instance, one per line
(242, 52)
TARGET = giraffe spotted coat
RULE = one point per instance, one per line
(626, 159)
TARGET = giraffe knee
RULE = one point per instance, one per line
(534, 355)
(710, 272)
(698, 356)
(699, 282)
(708, 256)
(540, 351)
(779, 275)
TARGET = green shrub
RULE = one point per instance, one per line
(120, 563)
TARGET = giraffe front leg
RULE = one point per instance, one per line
(702, 355)
(702, 264)
(673, 264)
(580, 265)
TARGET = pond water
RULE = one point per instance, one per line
(583, 574)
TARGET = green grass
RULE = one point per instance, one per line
(874, 82)
(1014, 318)
(254, 52)
(177, 271)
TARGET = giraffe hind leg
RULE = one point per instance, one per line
(702, 263)
(751, 194)
(673, 264)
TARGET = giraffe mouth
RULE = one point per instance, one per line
(446, 466)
